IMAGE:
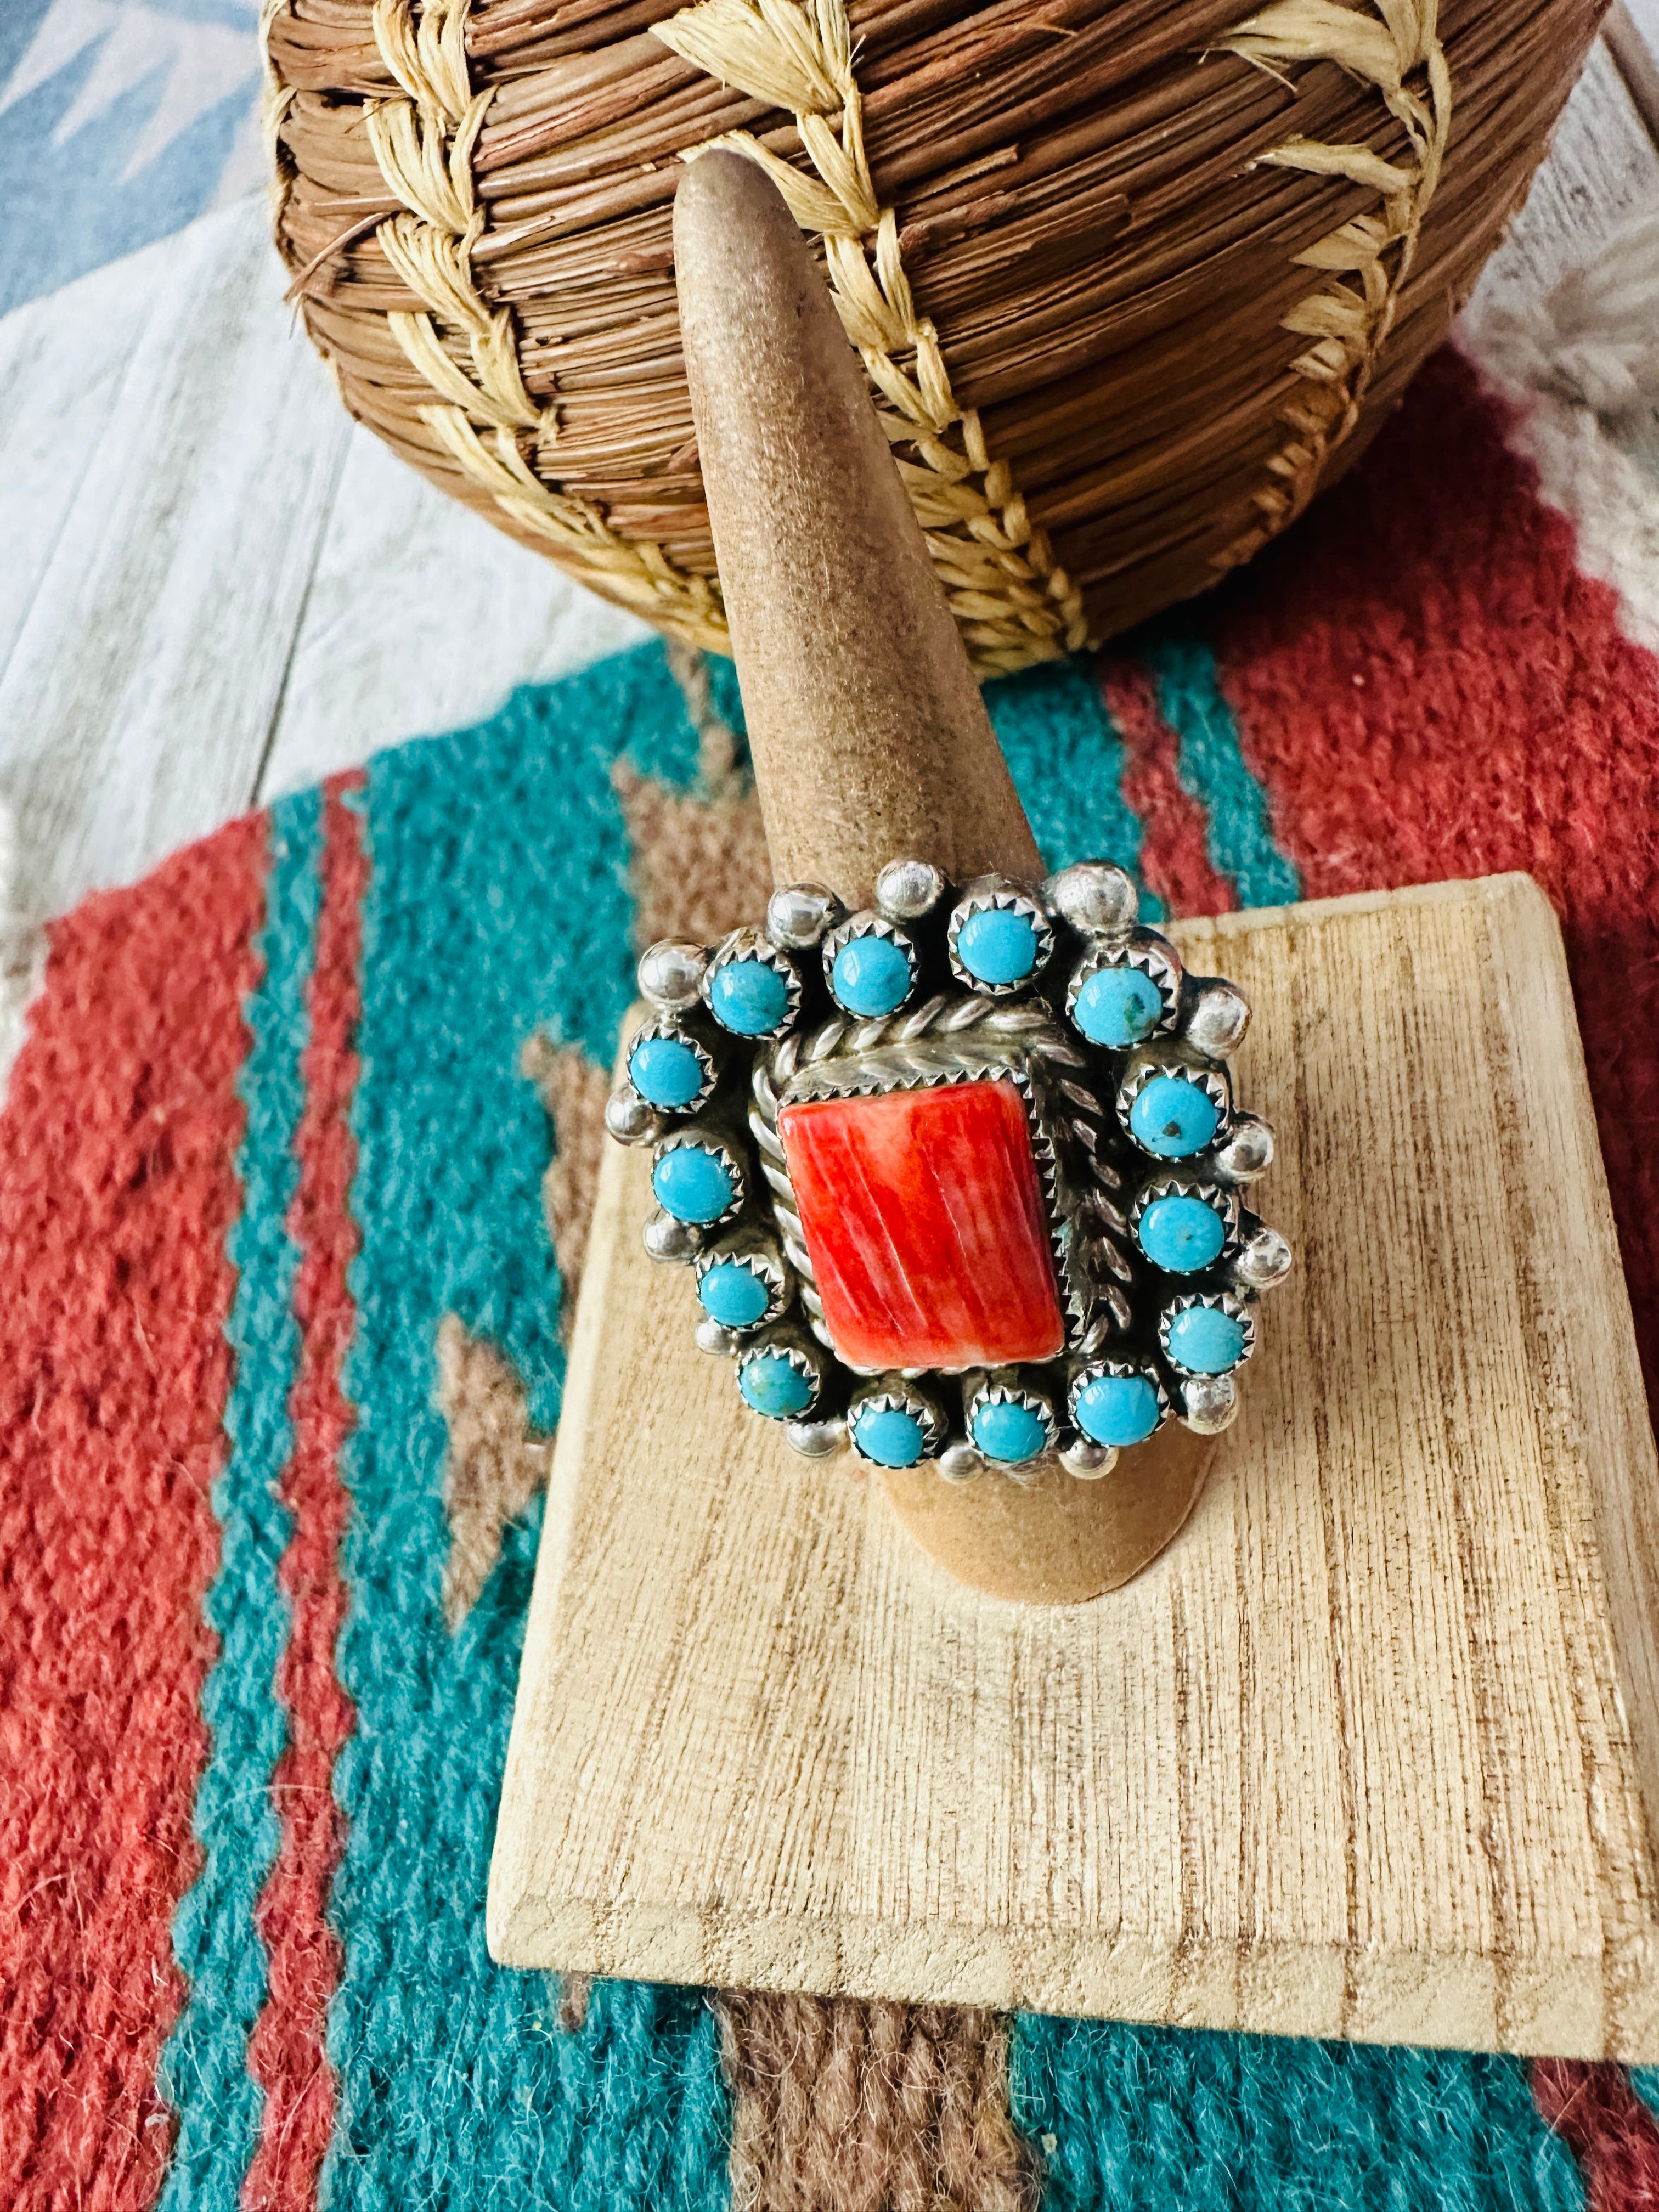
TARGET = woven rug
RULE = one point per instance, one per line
(295, 1172)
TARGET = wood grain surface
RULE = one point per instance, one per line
(1365, 1753)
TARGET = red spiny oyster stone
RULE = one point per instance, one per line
(924, 1218)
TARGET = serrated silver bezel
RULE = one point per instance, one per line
(1210, 1080)
(760, 1264)
(1155, 960)
(753, 945)
(935, 1428)
(811, 1368)
(870, 924)
(1221, 1202)
(664, 1025)
(1092, 1370)
(998, 897)
(1221, 1301)
(704, 1141)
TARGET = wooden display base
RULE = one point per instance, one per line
(1363, 1753)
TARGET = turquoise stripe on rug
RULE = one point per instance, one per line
(1214, 771)
(1067, 760)
(203, 2069)
(497, 903)
(1141, 2119)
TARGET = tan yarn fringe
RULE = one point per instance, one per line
(840, 2106)
(1366, 260)
(1013, 601)
(424, 145)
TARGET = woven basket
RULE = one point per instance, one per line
(1132, 278)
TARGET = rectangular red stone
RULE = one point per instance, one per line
(924, 1218)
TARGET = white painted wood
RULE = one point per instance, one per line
(420, 617)
(178, 449)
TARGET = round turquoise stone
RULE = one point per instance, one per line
(996, 946)
(1010, 1433)
(1180, 1235)
(870, 976)
(1172, 1117)
(1118, 1007)
(691, 1184)
(665, 1071)
(1205, 1340)
(890, 1435)
(773, 1386)
(1118, 1409)
(733, 1295)
(748, 997)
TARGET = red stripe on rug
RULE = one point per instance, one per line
(286, 2052)
(1607, 2128)
(1175, 853)
(118, 1187)
(1429, 688)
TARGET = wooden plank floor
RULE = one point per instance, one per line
(214, 588)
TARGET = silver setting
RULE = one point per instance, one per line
(630, 1119)
(670, 974)
(797, 915)
(1088, 1461)
(1128, 1369)
(1247, 1151)
(1209, 1403)
(1217, 1017)
(751, 944)
(1223, 1301)
(1264, 1258)
(1002, 1388)
(667, 1239)
(807, 1363)
(907, 889)
(1220, 1200)
(961, 1462)
(994, 893)
(672, 1032)
(756, 1258)
(1095, 1179)
(817, 1439)
(1095, 897)
(1148, 1064)
(894, 1393)
(696, 1139)
(1155, 959)
(870, 924)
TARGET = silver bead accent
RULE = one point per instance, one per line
(960, 1461)
(670, 974)
(817, 1439)
(668, 1239)
(799, 914)
(1249, 1150)
(630, 1119)
(1219, 1017)
(1096, 898)
(712, 1337)
(1263, 1259)
(906, 890)
(1087, 1459)
(1210, 1403)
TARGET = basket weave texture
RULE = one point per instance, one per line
(1131, 278)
